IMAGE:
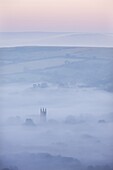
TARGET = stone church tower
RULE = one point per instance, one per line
(43, 114)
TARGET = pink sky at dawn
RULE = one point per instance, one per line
(56, 15)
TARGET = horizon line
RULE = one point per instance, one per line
(56, 32)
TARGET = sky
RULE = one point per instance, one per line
(56, 15)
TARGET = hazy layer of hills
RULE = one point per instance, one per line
(45, 161)
(56, 39)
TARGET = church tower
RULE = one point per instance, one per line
(43, 114)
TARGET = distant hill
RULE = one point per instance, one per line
(56, 39)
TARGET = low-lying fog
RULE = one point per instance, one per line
(76, 132)
(78, 124)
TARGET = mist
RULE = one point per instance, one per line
(56, 106)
